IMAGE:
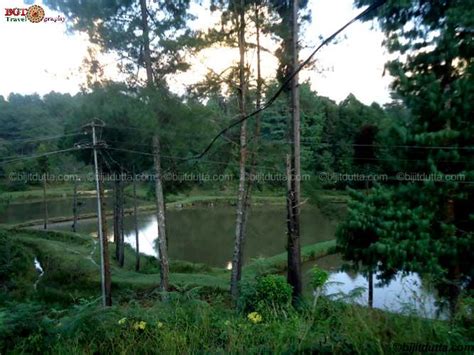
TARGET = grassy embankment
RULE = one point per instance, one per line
(63, 314)
(192, 198)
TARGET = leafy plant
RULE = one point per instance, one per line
(270, 292)
(319, 277)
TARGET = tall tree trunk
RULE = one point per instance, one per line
(121, 258)
(74, 207)
(105, 244)
(45, 203)
(289, 209)
(118, 219)
(371, 288)
(258, 94)
(255, 144)
(117, 216)
(454, 273)
(105, 229)
(160, 203)
(294, 249)
(239, 240)
(371, 271)
(135, 224)
(146, 43)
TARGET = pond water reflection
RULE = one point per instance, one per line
(205, 234)
(404, 294)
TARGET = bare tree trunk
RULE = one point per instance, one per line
(105, 243)
(259, 88)
(294, 249)
(135, 223)
(239, 240)
(289, 209)
(117, 216)
(255, 145)
(371, 271)
(105, 229)
(146, 43)
(74, 207)
(160, 203)
(45, 203)
(118, 219)
(371, 288)
(121, 258)
(454, 287)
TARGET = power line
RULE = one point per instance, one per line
(231, 164)
(186, 159)
(371, 8)
(146, 130)
(30, 140)
(309, 140)
(38, 155)
(304, 141)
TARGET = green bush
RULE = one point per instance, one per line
(19, 321)
(319, 277)
(17, 272)
(266, 292)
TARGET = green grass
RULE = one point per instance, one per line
(68, 257)
(278, 263)
(186, 324)
(36, 194)
(64, 315)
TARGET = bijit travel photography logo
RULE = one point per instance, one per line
(33, 14)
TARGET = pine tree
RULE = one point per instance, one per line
(425, 226)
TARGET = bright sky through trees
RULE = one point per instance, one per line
(43, 57)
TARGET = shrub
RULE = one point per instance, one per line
(266, 292)
(17, 272)
(319, 277)
(18, 321)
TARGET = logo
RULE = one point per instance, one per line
(33, 14)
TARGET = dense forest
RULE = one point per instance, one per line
(331, 134)
(383, 192)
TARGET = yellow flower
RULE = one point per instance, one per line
(255, 317)
(159, 325)
(122, 321)
(139, 325)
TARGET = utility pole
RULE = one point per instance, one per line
(294, 248)
(104, 251)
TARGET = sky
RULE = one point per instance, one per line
(40, 58)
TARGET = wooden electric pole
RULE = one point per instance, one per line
(104, 250)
